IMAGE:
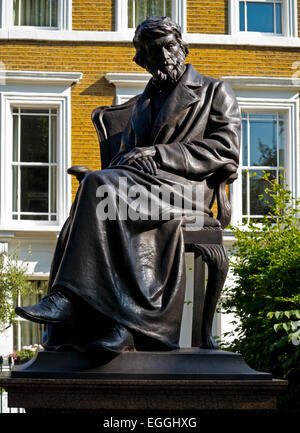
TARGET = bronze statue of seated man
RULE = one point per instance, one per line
(118, 283)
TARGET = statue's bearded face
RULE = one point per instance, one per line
(164, 59)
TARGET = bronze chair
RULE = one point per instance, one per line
(206, 243)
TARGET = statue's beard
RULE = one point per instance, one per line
(168, 73)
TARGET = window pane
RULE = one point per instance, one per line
(47, 14)
(130, 14)
(155, 8)
(257, 187)
(168, 12)
(41, 13)
(260, 17)
(35, 132)
(148, 8)
(278, 19)
(140, 11)
(16, 13)
(33, 111)
(280, 177)
(15, 189)
(245, 192)
(34, 189)
(34, 138)
(39, 286)
(25, 13)
(254, 116)
(263, 142)
(53, 139)
(281, 144)
(34, 217)
(245, 141)
(242, 16)
(54, 14)
(15, 137)
(28, 333)
(53, 189)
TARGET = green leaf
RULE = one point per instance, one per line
(277, 326)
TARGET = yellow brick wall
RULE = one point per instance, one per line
(202, 16)
(207, 16)
(93, 15)
(210, 16)
(96, 59)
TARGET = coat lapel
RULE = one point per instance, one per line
(185, 94)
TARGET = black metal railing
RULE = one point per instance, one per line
(6, 364)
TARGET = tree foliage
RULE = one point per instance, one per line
(13, 281)
(266, 295)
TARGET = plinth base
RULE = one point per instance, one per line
(183, 364)
(191, 379)
(96, 396)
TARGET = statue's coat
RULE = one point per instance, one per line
(133, 271)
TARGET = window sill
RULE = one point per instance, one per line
(9, 230)
(127, 36)
(33, 28)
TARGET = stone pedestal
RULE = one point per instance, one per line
(84, 395)
(193, 380)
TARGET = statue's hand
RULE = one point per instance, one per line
(141, 158)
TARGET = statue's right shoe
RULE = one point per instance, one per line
(56, 307)
(117, 339)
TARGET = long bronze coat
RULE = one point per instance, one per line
(133, 271)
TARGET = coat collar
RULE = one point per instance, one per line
(185, 93)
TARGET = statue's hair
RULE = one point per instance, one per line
(153, 28)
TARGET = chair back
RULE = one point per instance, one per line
(110, 123)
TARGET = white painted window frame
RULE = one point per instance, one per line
(289, 20)
(19, 164)
(260, 108)
(40, 101)
(127, 85)
(269, 94)
(64, 18)
(121, 14)
(32, 89)
(123, 34)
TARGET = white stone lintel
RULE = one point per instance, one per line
(42, 77)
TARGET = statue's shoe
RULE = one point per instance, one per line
(53, 308)
(117, 340)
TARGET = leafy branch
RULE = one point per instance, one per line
(13, 281)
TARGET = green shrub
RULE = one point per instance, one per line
(266, 295)
(13, 281)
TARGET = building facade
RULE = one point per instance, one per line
(60, 59)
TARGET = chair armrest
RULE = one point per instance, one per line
(225, 176)
(79, 171)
